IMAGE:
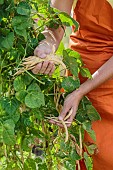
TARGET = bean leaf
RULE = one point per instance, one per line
(7, 42)
(34, 99)
(87, 126)
(23, 9)
(34, 87)
(8, 132)
(69, 84)
(85, 72)
(10, 105)
(92, 113)
(71, 63)
(19, 83)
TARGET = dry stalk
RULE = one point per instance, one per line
(66, 130)
(31, 61)
(75, 143)
(80, 140)
(69, 114)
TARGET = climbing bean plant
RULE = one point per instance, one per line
(27, 101)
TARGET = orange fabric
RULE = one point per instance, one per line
(94, 41)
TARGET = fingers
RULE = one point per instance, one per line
(37, 68)
(65, 110)
(56, 123)
(72, 116)
(45, 67)
(52, 70)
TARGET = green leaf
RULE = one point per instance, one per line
(34, 87)
(20, 95)
(60, 49)
(42, 166)
(39, 113)
(92, 113)
(1, 134)
(1, 2)
(74, 156)
(38, 160)
(7, 42)
(22, 33)
(21, 22)
(10, 105)
(27, 79)
(69, 165)
(81, 115)
(88, 161)
(69, 84)
(85, 72)
(29, 164)
(27, 142)
(87, 126)
(71, 63)
(19, 83)
(41, 37)
(73, 53)
(15, 117)
(8, 132)
(23, 8)
(34, 99)
(68, 20)
(91, 148)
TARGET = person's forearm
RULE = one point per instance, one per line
(103, 74)
(54, 36)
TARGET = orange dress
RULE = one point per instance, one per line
(94, 41)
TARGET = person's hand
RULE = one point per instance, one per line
(46, 67)
(70, 104)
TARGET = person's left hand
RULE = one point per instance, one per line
(71, 103)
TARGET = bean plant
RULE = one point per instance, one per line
(27, 101)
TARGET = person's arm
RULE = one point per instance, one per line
(62, 5)
(53, 38)
(103, 74)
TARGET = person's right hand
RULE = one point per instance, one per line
(46, 67)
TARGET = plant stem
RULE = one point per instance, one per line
(80, 140)
(34, 77)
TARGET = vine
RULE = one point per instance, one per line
(27, 101)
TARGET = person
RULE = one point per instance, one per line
(94, 42)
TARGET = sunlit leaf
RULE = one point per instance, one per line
(85, 72)
(34, 99)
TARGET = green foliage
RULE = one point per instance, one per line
(27, 100)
